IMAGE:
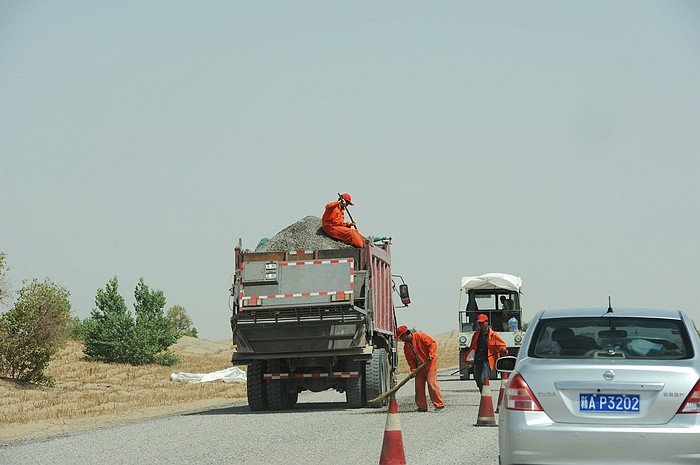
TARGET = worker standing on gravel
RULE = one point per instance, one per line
(419, 347)
(488, 347)
(333, 222)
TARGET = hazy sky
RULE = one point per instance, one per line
(558, 141)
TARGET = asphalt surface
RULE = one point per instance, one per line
(318, 430)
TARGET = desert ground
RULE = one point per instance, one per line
(93, 394)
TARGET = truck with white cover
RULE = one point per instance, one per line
(315, 320)
(497, 295)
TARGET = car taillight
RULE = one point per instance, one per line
(518, 396)
(692, 402)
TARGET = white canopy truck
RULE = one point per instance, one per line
(497, 295)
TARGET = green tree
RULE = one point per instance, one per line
(113, 335)
(109, 332)
(153, 329)
(181, 321)
(77, 328)
(33, 331)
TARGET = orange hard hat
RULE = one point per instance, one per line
(481, 318)
(400, 331)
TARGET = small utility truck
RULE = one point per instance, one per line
(497, 295)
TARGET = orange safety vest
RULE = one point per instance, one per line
(494, 344)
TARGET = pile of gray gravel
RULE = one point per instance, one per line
(305, 234)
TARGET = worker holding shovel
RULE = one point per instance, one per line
(419, 348)
(333, 222)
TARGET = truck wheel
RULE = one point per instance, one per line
(257, 396)
(377, 381)
(277, 396)
(354, 388)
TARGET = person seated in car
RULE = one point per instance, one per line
(506, 310)
(571, 343)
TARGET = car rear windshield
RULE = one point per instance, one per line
(605, 337)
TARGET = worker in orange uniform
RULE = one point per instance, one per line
(488, 347)
(419, 347)
(333, 222)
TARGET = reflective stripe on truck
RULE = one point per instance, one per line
(336, 375)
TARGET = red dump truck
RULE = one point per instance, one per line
(315, 320)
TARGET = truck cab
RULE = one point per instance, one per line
(497, 295)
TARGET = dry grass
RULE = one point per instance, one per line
(448, 355)
(90, 394)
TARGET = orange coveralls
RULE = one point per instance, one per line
(333, 223)
(425, 346)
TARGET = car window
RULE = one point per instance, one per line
(605, 337)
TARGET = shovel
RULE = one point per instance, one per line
(393, 390)
(348, 210)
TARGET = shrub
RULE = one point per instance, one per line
(181, 321)
(77, 329)
(112, 335)
(33, 331)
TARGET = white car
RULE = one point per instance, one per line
(603, 386)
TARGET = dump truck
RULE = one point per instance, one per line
(497, 295)
(316, 320)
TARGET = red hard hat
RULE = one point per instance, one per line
(347, 198)
(481, 318)
(400, 330)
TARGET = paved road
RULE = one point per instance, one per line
(318, 430)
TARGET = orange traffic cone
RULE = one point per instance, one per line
(486, 416)
(504, 383)
(392, 448)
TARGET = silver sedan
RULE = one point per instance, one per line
(603, 386)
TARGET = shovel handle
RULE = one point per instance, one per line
(347, 210)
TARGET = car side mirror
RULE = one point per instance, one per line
(506, 364)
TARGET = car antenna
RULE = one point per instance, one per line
(610, 310)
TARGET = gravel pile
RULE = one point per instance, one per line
(305, 234)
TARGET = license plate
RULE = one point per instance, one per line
(609, 403)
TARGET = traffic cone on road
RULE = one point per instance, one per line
(504, 383)
(392, 448)
(486, 416)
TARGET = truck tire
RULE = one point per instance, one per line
(291, 398)
(378, 377)
(257, 396)
(277, 396)
(355, 387)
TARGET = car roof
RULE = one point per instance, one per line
(617, 312)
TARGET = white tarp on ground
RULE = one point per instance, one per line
(492, 281)
(229, 375)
